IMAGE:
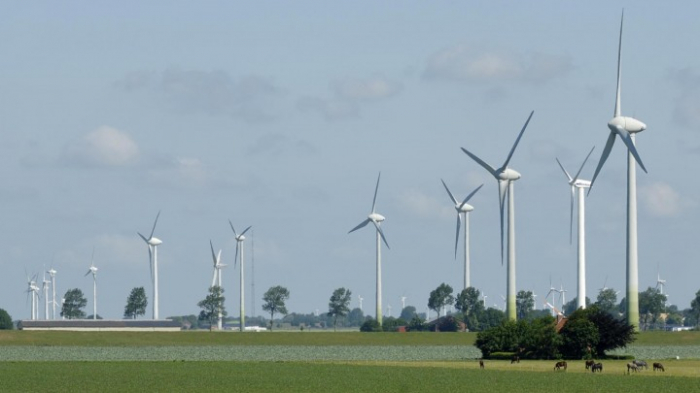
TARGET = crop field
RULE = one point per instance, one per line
(329, 362)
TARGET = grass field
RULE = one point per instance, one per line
(308, 361)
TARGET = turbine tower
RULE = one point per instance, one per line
(505, 177)
(52, 274)
(153, 243)
(33, 291)
(627, 128)
(577, 187)
(660, 284)
(45, 286)
(360, 298)
(463, 208)
(376, 218)
(239, 244)
(93, 270)
(403, 302)
(218, 266)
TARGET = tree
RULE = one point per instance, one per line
(136, 303)
(338, 305)
(651, 304)
(5, 320)
(468, 301)
(73, 304)
(408, 313)
(607, 301)
(355, 318)
(579, 337)
(613, 332)
(695, 308)
(524, 303)
(371, 325)
(274, 300)
(572, 305)
(212, 306)
(440, 297)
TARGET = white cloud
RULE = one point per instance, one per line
(373, 88)
(661, 200)
(106, 146)
(466, 64)
(422, 205)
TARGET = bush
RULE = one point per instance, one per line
(417, 324)
(446, 324)
(371, 325)
(5, 320)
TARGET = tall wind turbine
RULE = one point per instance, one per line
(218, 267)
(627, 128)
(376, 218)
(660, 284)
(33, 291)
(52, 273)
(153, 243)
(239, 244)
(360, 299)
(463, 208)
(45, 286)
(577, 187)
(505, 177)
(93, 270)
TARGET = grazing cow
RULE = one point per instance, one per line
(515, 359)
(641, 364)
(659, 366)
(589, 363)
(481, 364)
(560, 365)
(631, 366)
(598, 367)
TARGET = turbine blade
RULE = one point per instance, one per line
(235, 258)
(502, 191)
(469, 196)
(512, 150)
(606, 152)
(154, 225)
(218, 259)
(584, 164)
(360, 225)
(88, 272)
(481, 162)
(150, 260)
(618, 110)
(142, 237)
(246, 230)
(449, 193)
(374, 201)
(381, 233)
(233, 229)
(459, 222)
(571, 216)
(627, 139)
(213, 256)
(565, 172)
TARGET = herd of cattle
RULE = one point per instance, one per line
(635, 365)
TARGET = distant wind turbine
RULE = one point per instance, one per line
(505, 177)
(360, 299)
(376, 218)
(239, 244)
(45, 285)
(660, 284)
(218, 267)
(626, 128)
(33, 291)
(52, 273)
(93, 270)
(153, 243)
(463, 208)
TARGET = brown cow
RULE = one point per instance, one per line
(631, 366)
(560, 365)
(597, 366)
(481, 364)
(589, 363)
(659, 366)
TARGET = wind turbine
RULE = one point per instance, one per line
(562, 296)
(660, 284)
(33, 291)
(505, 177)
(52, 273)
(93, 270)
(483, 300)
(153, 243)
(45, 285)
(577, 187)
(239, 244)
(360, 299)
(552, 289)
(376, 218)
(218, 266)
(463, 208)
(626, 128)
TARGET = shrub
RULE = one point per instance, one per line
(371, 325)
(5, 320)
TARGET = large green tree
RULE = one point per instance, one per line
(468, 301)
(607, 301)
(5, 320)
(440, 297)
(274, 300)
(136, 303)
(73, 304)
(651, 304)
(695, 308)
(338, 306)
(212, 306)
(524, 303)
(408, 313)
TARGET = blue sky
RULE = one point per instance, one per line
(280, 115)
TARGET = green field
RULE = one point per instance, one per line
(307, 361)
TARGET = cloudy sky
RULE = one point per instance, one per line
(280, 115)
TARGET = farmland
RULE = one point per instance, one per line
(332, 362)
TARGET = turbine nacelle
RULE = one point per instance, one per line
(508, 174)
(376, 217)
(240, 238)
(579, 183)
(154, 241)
(629, 124)
(463, 208)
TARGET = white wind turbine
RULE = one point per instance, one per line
(153, 243)
(45, 286)
(577, 187)
(92, 269)
(463, 208)
(376, 218)
(505, 177)
(660, 284)
(562, 296)
(360, 299)
(239, 244)
(403, 302)
(216, 280)
(33, 291)
(52, 273)
(552, 289)
(626, 128)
